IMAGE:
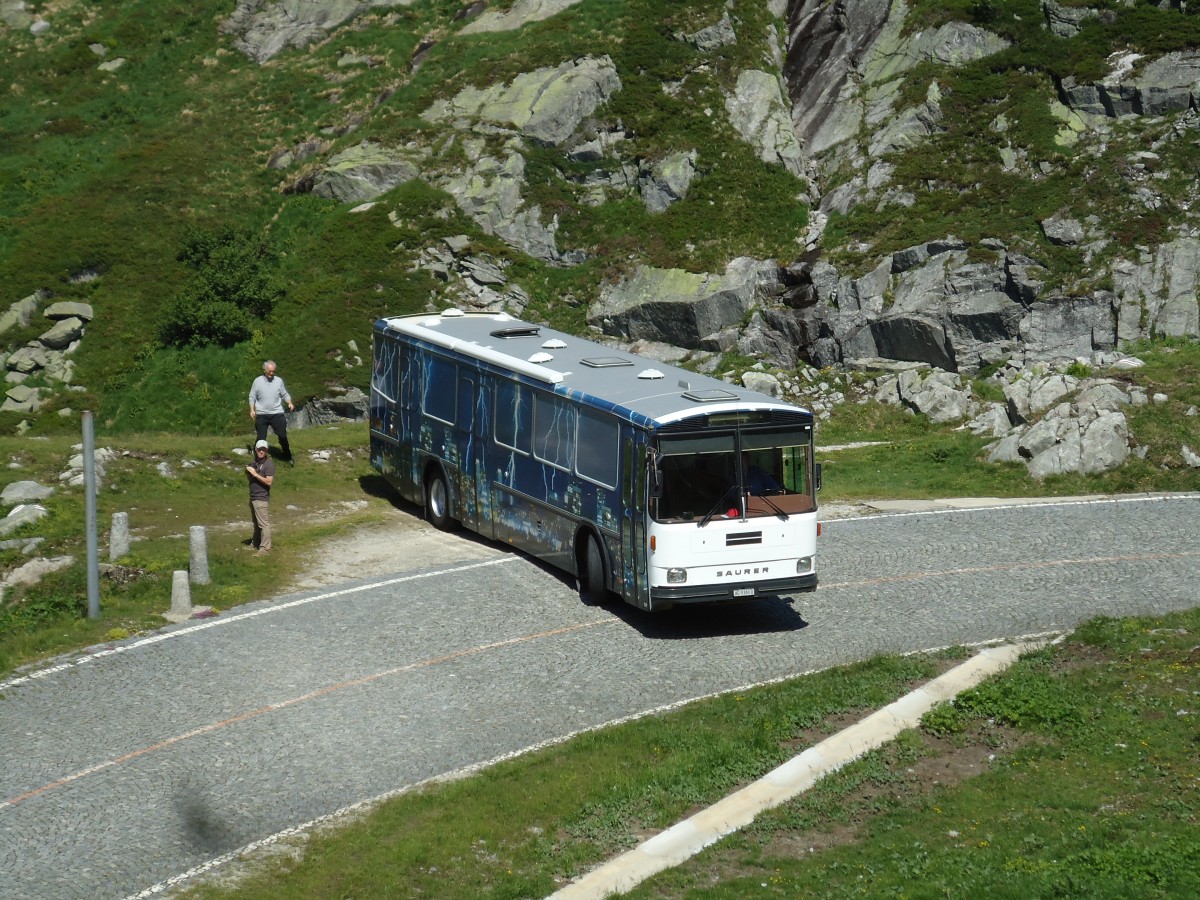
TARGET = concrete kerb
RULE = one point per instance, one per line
(687, 838)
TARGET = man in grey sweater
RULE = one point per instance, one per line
(267, 396)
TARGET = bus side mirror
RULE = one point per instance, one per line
(656, 486)
(817, 476)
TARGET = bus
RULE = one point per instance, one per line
(642, 480)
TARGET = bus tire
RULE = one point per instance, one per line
(595, 592)
(437, 502)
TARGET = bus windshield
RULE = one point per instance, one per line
(733, 476)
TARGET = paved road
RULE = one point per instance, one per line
(121, 771)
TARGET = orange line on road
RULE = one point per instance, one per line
(978, 570)
(303, 698)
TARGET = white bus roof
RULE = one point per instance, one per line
(640, 388)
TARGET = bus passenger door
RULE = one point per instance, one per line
(635, 577)
(471, 470)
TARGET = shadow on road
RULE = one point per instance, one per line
(768, 615)
(689, 622)
(378, 486)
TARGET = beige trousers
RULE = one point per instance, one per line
(261, 514)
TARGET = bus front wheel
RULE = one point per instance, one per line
(594, 590)
(437, 502)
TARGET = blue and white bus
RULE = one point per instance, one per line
(643, 480)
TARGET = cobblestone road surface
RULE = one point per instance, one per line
(143, 762)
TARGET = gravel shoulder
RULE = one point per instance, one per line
(402, 542)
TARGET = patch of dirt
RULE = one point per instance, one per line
(1073, 656)
(947, 763)
(830, 511)
(827, 727)
(123, 575)
(402, 543)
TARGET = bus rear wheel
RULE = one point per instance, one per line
(437, 502)
(594, 590)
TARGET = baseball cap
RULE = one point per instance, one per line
(261, 445)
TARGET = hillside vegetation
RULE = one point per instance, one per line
(146, 188)
(107, 175)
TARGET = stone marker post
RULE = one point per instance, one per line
(181, 601)
(181, 598)
(198, 562)
(118, 537)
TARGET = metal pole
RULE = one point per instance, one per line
(89, 506)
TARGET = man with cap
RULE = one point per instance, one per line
(261, 473)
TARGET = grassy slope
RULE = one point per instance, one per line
(1074, 774)
(179, 137)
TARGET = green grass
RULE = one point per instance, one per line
(206, 486)
(1073, 774)
(1092, 790)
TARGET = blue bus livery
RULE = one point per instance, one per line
(641, 479)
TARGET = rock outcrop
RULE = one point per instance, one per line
(681, 308)
(264, 28)
(364, 172)
(47, 357)
(1087, 435)
(844, 67)
(1168, 84)
(546, 105)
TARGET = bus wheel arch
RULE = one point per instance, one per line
(438, 505)
(592, 566)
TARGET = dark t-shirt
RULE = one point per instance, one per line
(266, 468)
(760, 481)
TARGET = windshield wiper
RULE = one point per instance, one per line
(771, 503)
(712, 512)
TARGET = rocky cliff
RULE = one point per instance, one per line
(847, 91)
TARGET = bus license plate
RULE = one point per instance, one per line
(743, 592)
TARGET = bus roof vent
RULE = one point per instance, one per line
(650, 374)
(713, 396)
(452, 313)
(541, 358)
(430, 323)
(517, 331)
(606, 362)
(554, 344)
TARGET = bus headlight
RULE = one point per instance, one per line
(804, 565)
(676, 576)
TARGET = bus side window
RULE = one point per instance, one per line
(512, 425)
(596, 456)
(439, 400)
(795, 469)
(554, 431)
(627, 474)
(466, 403)
(640, 468)
(409, 378)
